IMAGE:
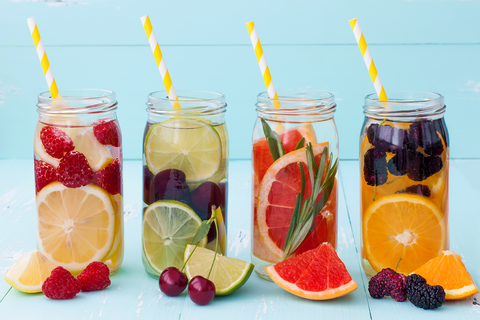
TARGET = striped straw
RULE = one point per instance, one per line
(162, 67)
(262, 63)
(42, 55)
(362, 44)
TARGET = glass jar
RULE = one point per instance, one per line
(302, 118)
(185, 167)
(404, 163)
(78, 179)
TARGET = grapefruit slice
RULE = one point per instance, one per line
(317, 274)
(448, 271)
(276, 201)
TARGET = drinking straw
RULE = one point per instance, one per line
(162, 67)
(42, 55)
(362, 44)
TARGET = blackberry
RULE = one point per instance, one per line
(388, 283)
(418, 189)
(420, 167)
(371, 131)
(422, 295)
(397, 165)
(441, 128)
(387, 138)
(423, 134)
(375, 167)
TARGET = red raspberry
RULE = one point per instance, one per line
(61, 285)
(74, 170)
(110, 178)
(95, 277)
(107, 133)
(44, 174)
(56, 142)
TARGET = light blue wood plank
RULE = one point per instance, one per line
(233, 71)
(261, 299)
(464, 223)
(109, 22)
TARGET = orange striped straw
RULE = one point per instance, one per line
(367, 57)
(42, 55)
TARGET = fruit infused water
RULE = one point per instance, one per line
(185, 162)
(303, 119)
(78, 179)
(404, 162)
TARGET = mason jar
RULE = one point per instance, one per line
(404, 163)
(78, 179)
(185, 169)
(283, 130)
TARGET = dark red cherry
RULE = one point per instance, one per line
(170, 184)
(147, 186)
(201, 290)
(172, 281)
(206, 195)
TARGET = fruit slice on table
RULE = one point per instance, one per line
(276, 201)
(29, 272)
(317, 274)
(168, 227)
(75, 226)
(262, 159)
(402, 225)
(448, 271)
(191, 146)
(228, 274)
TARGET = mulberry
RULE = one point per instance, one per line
(375, 167)
(422, 295)
(418, 189)
(388, 283)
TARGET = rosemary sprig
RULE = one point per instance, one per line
(322, 178)
(274, 142)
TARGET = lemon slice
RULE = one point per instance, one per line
(168, 227)
(228, 274)
(29, 272)
(115, 256)
(191, 146)
(97, 154)
(75, 225)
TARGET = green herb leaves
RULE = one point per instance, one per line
(274, 143)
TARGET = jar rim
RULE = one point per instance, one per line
(164, 93)
(192, 103)
(77, 101)
(373, 97)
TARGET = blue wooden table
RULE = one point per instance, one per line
(134, 295)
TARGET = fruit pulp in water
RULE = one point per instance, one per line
(84, 196)
(172, 184)
(404, 158)
(267, 249)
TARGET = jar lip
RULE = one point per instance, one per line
(286, 95)
(77, 101)
(45, 96)
(193, 103)
(373, 97)
(161, 96)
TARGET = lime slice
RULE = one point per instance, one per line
(168, 227)
(191, 146)
(228, 274)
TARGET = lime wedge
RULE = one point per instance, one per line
(228, 274)
(168, 227)
(191, 146)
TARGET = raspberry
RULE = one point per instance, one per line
(74, 170)
(56, 142)
(375, 167)
(388, 283)
(44, 174)
(107, 133)
(94, 277)
(422, 295)
(110, 178)
(61, 285)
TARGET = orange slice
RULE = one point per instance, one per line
(404, 225)
(448, 271)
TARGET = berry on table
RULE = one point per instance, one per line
(55, 141)
(96, 276)
(388, 283)
(74, 171)
(172, 281)
(201, 290)
(422, 295)
(107, 133)
(375, 167)
(44, 174)
(110, 178)
(61, 285)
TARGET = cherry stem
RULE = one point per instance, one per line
(185, 263)
(399, 259)
(216, 240)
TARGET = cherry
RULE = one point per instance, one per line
(170, 184)
(147, 185)
(206, 195)
(201, 290)
(172, 281)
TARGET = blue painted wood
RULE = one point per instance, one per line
(233, 71)
(114, 22)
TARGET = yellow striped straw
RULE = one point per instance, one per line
(162, 67)
(262, 63)
(367, 57)
(42, 55)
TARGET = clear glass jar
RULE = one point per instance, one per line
(185, 168)
(275, 186)
(78, 179)
(404, 163)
